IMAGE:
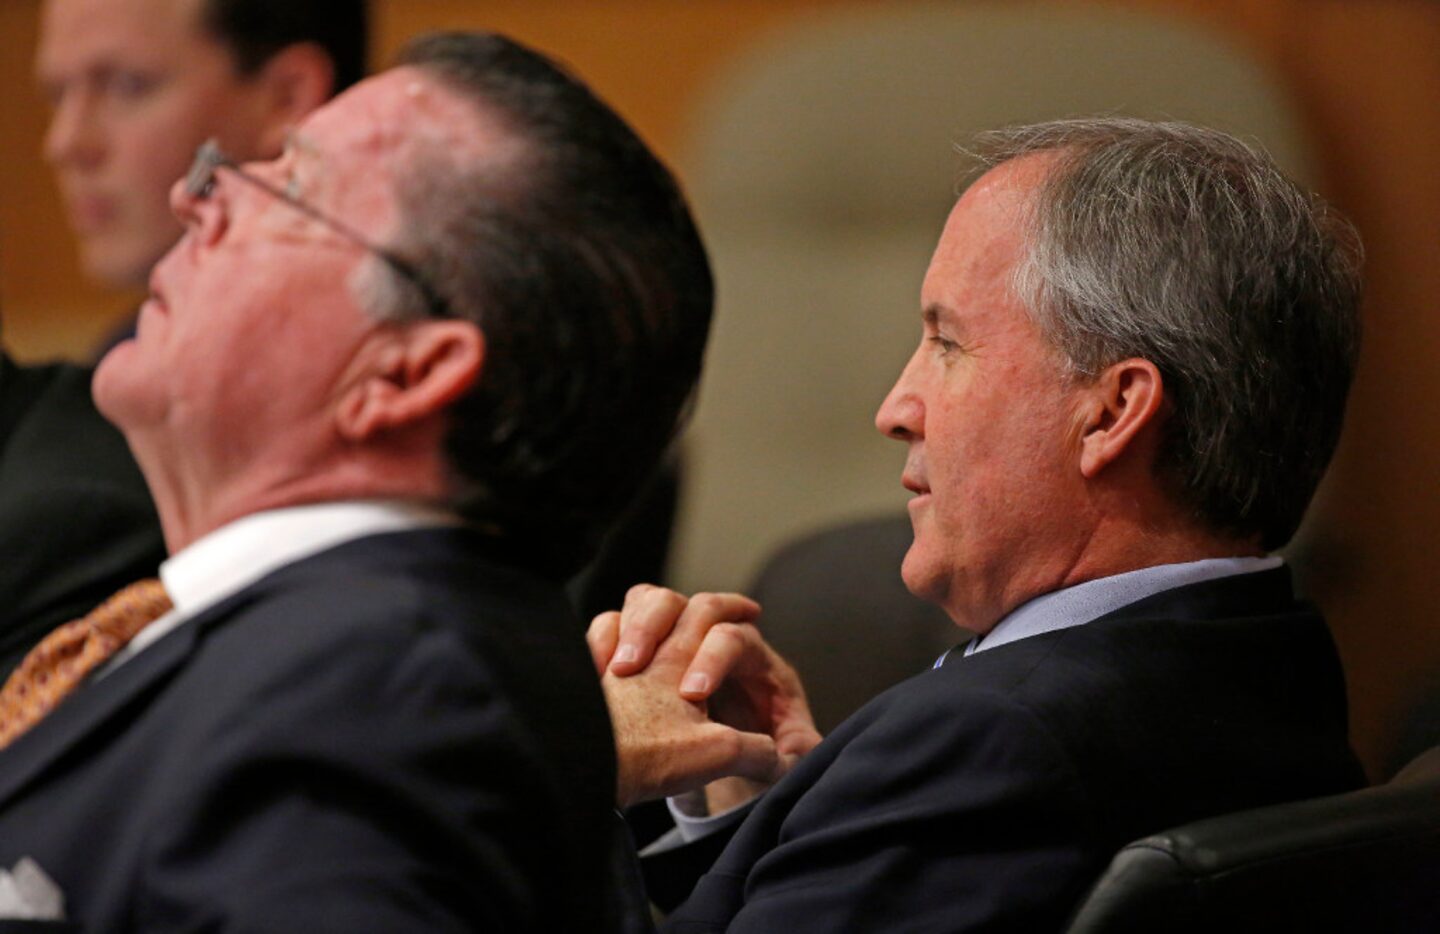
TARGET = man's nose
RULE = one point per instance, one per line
(76, 135)
(203, 214)
(902, 414)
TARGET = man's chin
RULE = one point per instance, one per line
(111, 385)
(922, 578)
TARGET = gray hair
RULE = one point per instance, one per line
(1186, 247)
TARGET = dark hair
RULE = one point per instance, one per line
(1189, 248)
(580, 262)
(256, 29)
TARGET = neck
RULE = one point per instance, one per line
(192, 504)
(1109, 542)
(1120, 546)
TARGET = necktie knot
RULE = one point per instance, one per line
(64, 658)
(129, 611)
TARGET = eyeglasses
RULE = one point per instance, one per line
(200, 182)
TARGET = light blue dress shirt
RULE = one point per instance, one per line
(1087, 602)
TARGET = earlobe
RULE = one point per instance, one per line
(1122, 404)
(421, 370)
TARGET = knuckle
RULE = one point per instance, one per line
(723, 632)
(708, 603)
(734, 634)
(669, 599)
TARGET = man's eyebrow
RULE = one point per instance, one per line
(935, 314)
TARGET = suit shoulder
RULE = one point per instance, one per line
(1139, 659)
(53, 422)
(935, 729)
(938, 788)
(386, 621)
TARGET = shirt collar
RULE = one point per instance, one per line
(1084, 603)
(234, 556)
(240, 553)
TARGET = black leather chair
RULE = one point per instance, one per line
(1367, 861)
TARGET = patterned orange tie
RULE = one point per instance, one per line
(61, 661)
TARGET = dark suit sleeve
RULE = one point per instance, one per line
(371, 784)
(76, 522)
(946, 812)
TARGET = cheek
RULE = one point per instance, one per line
(144, 167)
(986, 464)
(155, 144)
(299, 319)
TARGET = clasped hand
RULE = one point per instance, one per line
(695, 694)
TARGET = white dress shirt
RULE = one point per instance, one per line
(237, 555)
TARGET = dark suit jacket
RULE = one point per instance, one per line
(988, 794)
(76, 523)
(398, 734)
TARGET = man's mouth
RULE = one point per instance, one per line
(91, 213)
(915, 485)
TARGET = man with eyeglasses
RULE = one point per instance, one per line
(388, 390)
(134, 86)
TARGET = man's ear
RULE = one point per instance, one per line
(414, 373)
(295, 81)
(1122, 402)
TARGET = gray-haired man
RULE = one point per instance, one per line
(1137, 340)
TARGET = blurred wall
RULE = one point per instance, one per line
(1365, 75)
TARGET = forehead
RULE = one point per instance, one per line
(364, 140)
(973, 266)
(127, 31)
(391, 110)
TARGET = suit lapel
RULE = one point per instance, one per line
(92, 708)
(116, 696)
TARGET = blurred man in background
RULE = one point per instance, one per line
(136, 85)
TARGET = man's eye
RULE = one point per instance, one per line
(129, 85)
(945, 344)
